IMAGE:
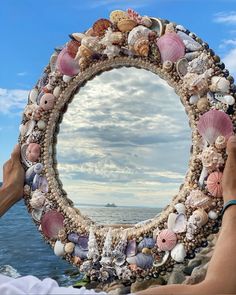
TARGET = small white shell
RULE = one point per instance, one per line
(41, 125)
(212, 215)
(66, 78)
(59, 248)
(229, 99)
(57, 91)
(219, 84)
(180, 208)
(178, 253)
(33, 95)
(193, 99)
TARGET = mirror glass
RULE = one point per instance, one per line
(123, 146)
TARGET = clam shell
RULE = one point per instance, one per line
(23, 155)
(59, 249)
(83, 242)
(79, 252)
(180, 208)
(157, 26)
(37, 214)
(69, 247)
(163, 260)
(131, 249)
(146, 243)
(141, 260)
(178, 253)
(194, 99)
(182, 67)
(214, 184)
(117, 15)
(180, 224)
(189, 42)
(171, 220)
(52, 223)
(33, 95)
(166, 240)
(100, 27)
(29, 127)
(126, 25)
(203, 104)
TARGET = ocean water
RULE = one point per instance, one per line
(23, 249)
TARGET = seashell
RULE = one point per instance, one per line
(42, 81)
(196, 84)
(59, 248)
(146, 251)
(146, 21)
(213, 124)
(43, 184)
(84, 52)
(126, 25)
(47, 101)
(117, 15)
(182, 67)
(200, 217)
(77, 36)
(220, 142)
(72, 47)
(69, 247)
(132, 14)
(197, 199)
(52, 222)
(171, 220)
(73, 237)
(137, 33)
(77, 260)
(189, 42)
(23, 155)
(33, 152)
(112, 51)
(57, 91)
(89, 33)
(66, 64)
(180, 224)
(29, 110)
(200, 64)
(194, 99)
(178, 253)
(212, 215)
(100, 27)
(163, 260)
(171, 47)
(22, 129)
(180, 208)
(41, 125)
(32, 171)
(168, 65)
(141, 260)
(29, 127)
(211, 159)
(37, 214)
(33, 95)
(83, 63)
(170, 28)
(93, 253)
(214, 184)
(146, 243)
(219, 84)
(166, 240)
(83, 242)
(227, 99)
(157, 26)
(79, 252)
(38, 200)
(53, 61)
(131, 249)
(66, 78)
(181, 28)
(191, 55)
(141, 47)
(203, 104)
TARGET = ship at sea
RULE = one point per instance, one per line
(110, 205)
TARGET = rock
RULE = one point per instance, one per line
(192, 264)
(198, 275)
(113, 286)
(139, 286)
(92, 285)
(120, 291)
(177, 276)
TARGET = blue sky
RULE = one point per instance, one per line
(30, 30)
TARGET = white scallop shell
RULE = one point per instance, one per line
(59, 248)
(33, 95)
(178, 253)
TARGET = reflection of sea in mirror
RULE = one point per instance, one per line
(124, 140)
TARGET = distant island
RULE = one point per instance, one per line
(110, 205)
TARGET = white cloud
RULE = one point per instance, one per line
(12, 101)
(225, 17)
(121, 4)
(22, 74)
(230, 61)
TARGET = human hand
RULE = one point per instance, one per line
(13, 176)
(229, 175)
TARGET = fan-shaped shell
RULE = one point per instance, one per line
(213, 124)
(214, 184)
(171, 47)
(166, 240)
(51, 223)
(126, 25)
(100, 26)
(66, 64)
(117, 15)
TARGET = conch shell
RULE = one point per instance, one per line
(200, 217)
(197, 199)
(141, 47)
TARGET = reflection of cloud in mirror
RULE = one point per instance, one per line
(124, 139)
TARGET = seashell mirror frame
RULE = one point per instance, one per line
(208, 95)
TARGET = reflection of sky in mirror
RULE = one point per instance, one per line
(124, 139)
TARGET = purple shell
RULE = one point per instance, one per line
(83, 242)
(66, 64)
(141, 260)
(32, 171)
(131, 249)
(79, 252)
(51, 223)
(73, 237)
(146, 243)
(41, 183)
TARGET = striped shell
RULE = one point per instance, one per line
(166, 240)
(126, 25)
(100, 27)
(200, 217)
(214, 184)
(197, 199)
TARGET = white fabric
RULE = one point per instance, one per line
(30, 285)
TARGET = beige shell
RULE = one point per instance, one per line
(118, 15)
(170, 28)
(220, 142)
(202, 104)
(200, 216)
(219, 84)
(91, 43)
(168, 65)
(211, 159)
(78, 36)
(147, 251)
(126, 25)
(141, 47)
(146, 21)
(69, 247)
(85, 52)
(117, 38)
(197, 199)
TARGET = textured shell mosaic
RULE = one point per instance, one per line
(207, 92)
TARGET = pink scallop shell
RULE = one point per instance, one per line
(51, 223)
(214, 184)
(213, 124)
(66, 64)
(166, 240)
(171, 47)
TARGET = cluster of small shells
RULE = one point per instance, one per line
(208, 95)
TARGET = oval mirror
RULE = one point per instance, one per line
(123, 146)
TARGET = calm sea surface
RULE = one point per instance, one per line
(22, 247)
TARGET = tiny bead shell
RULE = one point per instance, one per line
(69, 247)
(41, 125)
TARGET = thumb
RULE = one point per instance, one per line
(15, 155)
(231, 145)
